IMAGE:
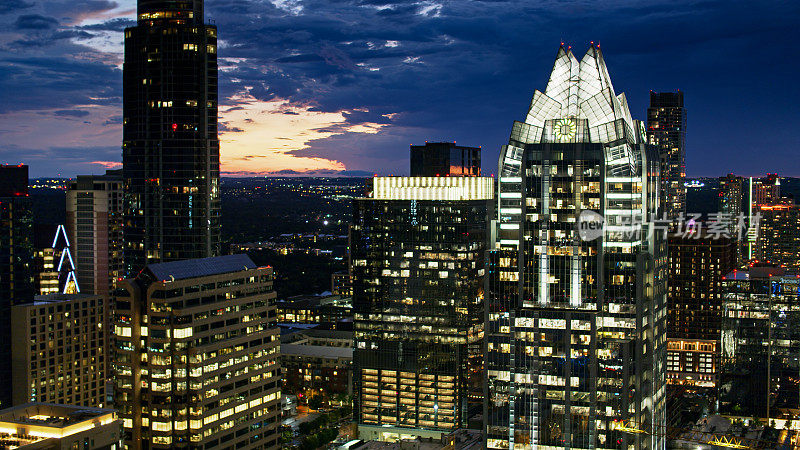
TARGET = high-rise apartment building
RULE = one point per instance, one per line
(196, 355)
(731, 197)
(170, 149)
(765, 190)
(59, 348)
(16, 255)
(760, 343)
(666, 129)
(94, 227)
(317, 362)
(576, 301)
(445, 159)
(417, 252)
(697, 263)
(778, 239)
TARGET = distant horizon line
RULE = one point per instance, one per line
(372, 175)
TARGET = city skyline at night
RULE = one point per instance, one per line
(327, 89)
(213, 234)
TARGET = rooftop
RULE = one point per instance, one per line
(758, 273)
(317, 351)
(56, 298)
(200, 267)
(312, 301)
(316, 333)
(51, 415)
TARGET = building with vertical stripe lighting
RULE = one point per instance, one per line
(576, 305)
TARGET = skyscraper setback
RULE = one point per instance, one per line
(576, 332)
(666, 129)
(170, 146)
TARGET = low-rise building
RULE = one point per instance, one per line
(40, 426)
(317, 309)
(318, 361)
(460, 439)
(342, 283)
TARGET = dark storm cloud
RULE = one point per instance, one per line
(10, 6)
(63, 161)
(225, 127)
(33, 83)
(35, 22)
(70, 10)
(51, 38)
(117, 24)
(71, 113)
(456, 70)
(114, 120)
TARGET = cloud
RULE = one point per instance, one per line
(71, 113)
(349, 84)
(116, 24)
(224, 127)
(35, 22)
(39, 82)
(10, 6)
(260, 134)
(115, 120)
(108, 164)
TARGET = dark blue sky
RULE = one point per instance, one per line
(344, 86)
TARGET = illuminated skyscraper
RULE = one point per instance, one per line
(760, 342)
(778, 239)
(417, 252)
(576, 307)
(16, 254)
(697, 264)
(765, 190)
(170, 150)
(666, 129)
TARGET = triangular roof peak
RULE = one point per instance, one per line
(580, 89)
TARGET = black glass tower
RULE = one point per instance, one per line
(170, 146)
(445, 159)
(417, 252)
(666, 129)
(16, 255)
